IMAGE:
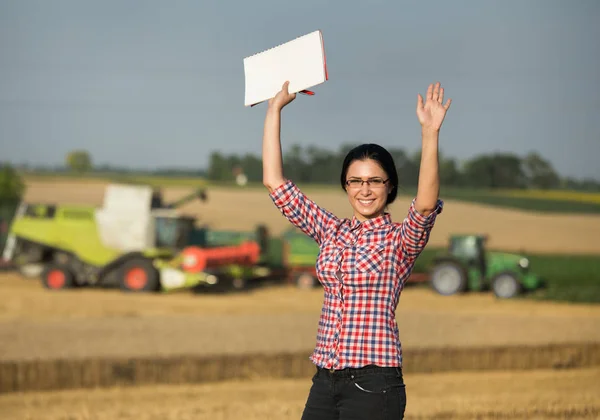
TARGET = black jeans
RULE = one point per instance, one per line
(371, 392)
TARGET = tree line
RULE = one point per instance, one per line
(318, 165)
(313, 164)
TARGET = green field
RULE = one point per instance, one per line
(569, 278)
(547, 202)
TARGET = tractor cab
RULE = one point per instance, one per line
(467, 246)
(470, 249)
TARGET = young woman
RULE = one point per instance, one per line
(363, 264)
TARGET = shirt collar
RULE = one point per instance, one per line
(371, 224)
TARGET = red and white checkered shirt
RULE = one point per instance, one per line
(363, 268)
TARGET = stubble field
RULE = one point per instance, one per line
(86, 324)
(543, 394)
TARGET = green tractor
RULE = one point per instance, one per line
(135, 242)
(468, 266)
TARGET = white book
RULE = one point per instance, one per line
(300, 61)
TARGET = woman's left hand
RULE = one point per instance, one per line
(431, 114)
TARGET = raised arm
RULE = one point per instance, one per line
(416, 227)
(271, 148)
(293, 204)
(431, 116)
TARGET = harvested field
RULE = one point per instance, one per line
(105, 337)
(541, 394)
(548, 233)
(68, 373)
(36, 323)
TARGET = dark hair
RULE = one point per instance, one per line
(381, 156)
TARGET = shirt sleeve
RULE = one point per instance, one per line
(302, 212)
(416, 229)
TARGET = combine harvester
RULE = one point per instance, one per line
(137, 242)
(134, 242)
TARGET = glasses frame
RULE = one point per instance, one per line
(367, 181)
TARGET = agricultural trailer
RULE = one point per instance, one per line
(468, 266)
(289, 257)
(135, 242)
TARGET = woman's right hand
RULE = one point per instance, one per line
(282, 98)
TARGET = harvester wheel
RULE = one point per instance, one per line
(448, 278)
(57, 277)
(139, 275)
(506, 285)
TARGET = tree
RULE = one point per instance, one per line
(501, 170)
(539, 172)
(218, 168)
(252, 167)
(408, 170)
(449, 172)
(295, 165)
(79, 161)
(11, 184)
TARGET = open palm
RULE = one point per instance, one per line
(431, 114)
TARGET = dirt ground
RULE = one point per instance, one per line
(542, 394)
(507, 228)
(35, 322)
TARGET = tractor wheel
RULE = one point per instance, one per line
(57, 277)
(139, 275)
(448, 278)
(305, 281)
(506, 285)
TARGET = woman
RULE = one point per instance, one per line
(363, 265)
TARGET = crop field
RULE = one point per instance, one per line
(541, 394)
(163, 336)
(86, 325)
(562, 247)
(571, 196)
(548, 202)
(543, 201)
(154, 180)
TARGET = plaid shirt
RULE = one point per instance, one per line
(363, 268)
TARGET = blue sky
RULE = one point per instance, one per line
(161, 84)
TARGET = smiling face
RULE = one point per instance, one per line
(368, 201)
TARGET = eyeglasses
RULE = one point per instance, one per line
(371, 182)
